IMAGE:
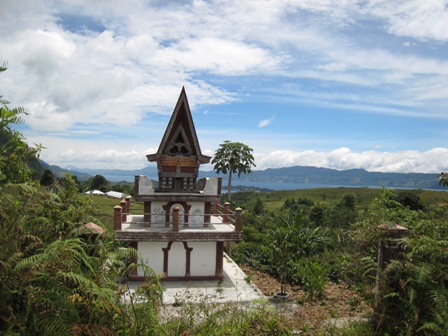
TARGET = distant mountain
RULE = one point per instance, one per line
(60, 172)
(302, 175)
(351, 177)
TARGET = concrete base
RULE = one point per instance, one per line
(233, 288)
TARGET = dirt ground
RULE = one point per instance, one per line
(339, 303)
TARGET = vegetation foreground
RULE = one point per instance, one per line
(58, 277)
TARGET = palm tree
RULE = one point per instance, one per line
(233, 157)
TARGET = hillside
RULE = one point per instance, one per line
(352, 177)
(59, 172)
(301, 175)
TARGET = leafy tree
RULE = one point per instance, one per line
(317, 214)
(124, 187)
(290, 241)
(348, 201)
(288, 203)
(233, 157)
(343, 213)
(314, 277)
(52, 281)
(258, 206)
(413, 282)
(410, 199)
(47, 178)
(443, 179)
(16, 156)
(99, 182)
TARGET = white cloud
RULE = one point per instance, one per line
(414, 18)
(266, 122)
(219, 56)
(130, 61)
(45, 117)
(431, 161)
(102, 156)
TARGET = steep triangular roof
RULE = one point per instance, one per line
(180, 135)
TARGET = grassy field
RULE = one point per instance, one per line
(275, 199)
(105, 209)
(327, 196)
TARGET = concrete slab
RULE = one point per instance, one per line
(233, 288)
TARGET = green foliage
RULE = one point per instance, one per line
(417, 267)
(99, 182)
(413, 284)
(300, 204)
(15, 155)
(253, 254)
(205, 317)
(326, 197)
(343, 213)
(103, 209)
(55, 278)
(47, 178)
(318, 215)
(443, 179)
(356, 328)
(258, 207)
(233, 157)
(290, 241)
(53, 281)
(124, 187)
(313, 277)
(439, 324)
(410, 199)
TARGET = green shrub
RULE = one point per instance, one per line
(313, 276)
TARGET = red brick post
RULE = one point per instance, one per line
(128, 204)
(225, 216)
(124, 212)
(117, 217)
(147, 214)
(176, 219)
(219, 269)
(386, 249)
(238, 222)
(216, 209)
(207, 209)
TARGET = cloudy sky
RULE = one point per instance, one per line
(330, 83)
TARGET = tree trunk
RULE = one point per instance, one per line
(229, 187)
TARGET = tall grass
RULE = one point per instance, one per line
(202, 316)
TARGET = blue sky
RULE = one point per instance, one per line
(337, 84)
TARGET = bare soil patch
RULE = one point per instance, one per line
(338, 302)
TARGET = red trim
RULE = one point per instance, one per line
(147, 213)
(219, 258)
(187, 258)
(167, 208)
(179, 278)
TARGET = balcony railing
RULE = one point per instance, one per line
(176, 219)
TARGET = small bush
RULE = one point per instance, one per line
(314, 277)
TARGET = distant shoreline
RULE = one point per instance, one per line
(275, 186)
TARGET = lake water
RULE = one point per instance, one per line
(280, 186)
(268, 185)
(294, 186)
